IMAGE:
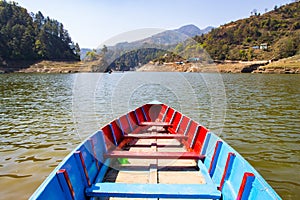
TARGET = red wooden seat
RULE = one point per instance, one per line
(154, 155)
(155, 136)
(164, 124)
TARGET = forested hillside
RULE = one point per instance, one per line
(273, 35)
(136, 58)
(28, 37)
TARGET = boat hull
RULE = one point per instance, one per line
(154, 151)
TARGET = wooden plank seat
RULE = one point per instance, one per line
(171, 191)
(154, 155)
(164, 124)
(155, 136)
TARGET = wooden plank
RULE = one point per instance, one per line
(177, 171)
(165, 124)
(154, 155)
(155, 136)
(173, 191)
(153, 174)
(182, 177)
(136, 170)
(153, 171)
(153, 167)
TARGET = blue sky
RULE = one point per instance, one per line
(92, 22)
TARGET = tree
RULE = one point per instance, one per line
(77, 49)
(25, 36)
(178, 49)
(243, 55)
(254, 11)
(104, 49)
(39, 20)
(286, 47)
(91, 55)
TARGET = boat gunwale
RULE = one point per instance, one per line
(203, 151)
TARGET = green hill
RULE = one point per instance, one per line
(273, 35)
(270, 36)
(30, 37)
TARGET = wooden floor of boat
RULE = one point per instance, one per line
(154, 171)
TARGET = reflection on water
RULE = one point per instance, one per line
(43, 117)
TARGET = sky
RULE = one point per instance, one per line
(92, 23)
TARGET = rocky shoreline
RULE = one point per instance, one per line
(224, 67)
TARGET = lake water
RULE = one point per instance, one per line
(44, 116)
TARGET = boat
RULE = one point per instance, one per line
(156, 152)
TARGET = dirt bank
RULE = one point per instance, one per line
(289, 65)
(62, 67)
(222, 67)
(285, 66)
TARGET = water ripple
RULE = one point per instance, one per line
(17, 176)
(37, 129)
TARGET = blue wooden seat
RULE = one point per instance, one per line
(171, 191)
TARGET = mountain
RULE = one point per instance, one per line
(128, 56)
(168, 37)
(207, 29)
(192, 30)
(171, 37)
(268, 36)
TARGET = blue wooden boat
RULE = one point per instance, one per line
(154, 152)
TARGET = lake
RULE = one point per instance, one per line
(44, 116)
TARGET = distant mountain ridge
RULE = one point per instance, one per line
(161, 40)
(127, 56)
(171, 37)
(165, 38)
(192, 30)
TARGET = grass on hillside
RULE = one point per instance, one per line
(291, 62)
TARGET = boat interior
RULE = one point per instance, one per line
(154, 152)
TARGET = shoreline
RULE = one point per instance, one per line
(289, 65)
(263, 67)
(46, 66)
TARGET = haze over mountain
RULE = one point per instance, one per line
(192, 30)
(168, 37)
